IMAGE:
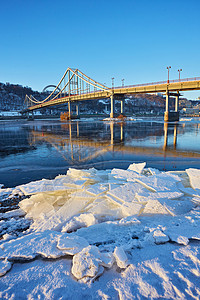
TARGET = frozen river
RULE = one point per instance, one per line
(32, 150)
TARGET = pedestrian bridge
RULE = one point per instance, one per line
(75, 86)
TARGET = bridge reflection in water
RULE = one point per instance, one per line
(76, 146)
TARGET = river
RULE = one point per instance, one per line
(32, 150)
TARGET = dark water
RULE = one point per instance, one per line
(32, 150)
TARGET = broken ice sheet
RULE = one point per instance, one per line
(29, 246)
(128, 191)
(194, 176)
(179, 239)
(131, 209)
(81, 174)
(57, 219)
(104, 207)
(96, 189)
(76, 222)
(159, 183)
(138, 168)
(71, 244)
(155, 207)
(44, 185)
(124, 174)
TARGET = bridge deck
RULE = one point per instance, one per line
(183, 85)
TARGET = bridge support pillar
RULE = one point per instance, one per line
(171, 116)
(69, 109)
(77, 110)
(167, 102)
(122, 106)
(112, 106)
(177, 103)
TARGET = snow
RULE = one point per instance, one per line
(109, 234)
(5, 266)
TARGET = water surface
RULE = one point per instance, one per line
(32, 150)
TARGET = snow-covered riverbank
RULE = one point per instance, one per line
(107, 234)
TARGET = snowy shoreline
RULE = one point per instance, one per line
(104, 233)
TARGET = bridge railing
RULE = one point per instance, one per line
(159, 82)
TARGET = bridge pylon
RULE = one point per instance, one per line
(74, 83)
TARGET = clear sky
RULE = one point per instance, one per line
(134, 40)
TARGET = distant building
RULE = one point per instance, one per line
(190, 111)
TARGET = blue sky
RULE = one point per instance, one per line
(134, 40)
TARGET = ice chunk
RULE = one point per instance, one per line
(124, 174)
(71, 244)
(113, 186)
(130, 220)
(158, 196)
(188, 191)
(86, 263)
(5, 192)
(159, 183)
(5, 266)
(104, 207)
(153, 171)
(121, 258)
(114, 200)
(127, 192)
(82, 195)
(7, 237)
(196, 236)
(155, 207)
(72, 207)
(46, 185)
(138, 168)
(83, 220)
(31, 245)
(107, 259)
(76, 184)
(1, 185)
(76, 173)
(160, 237)
(97, 189)
(36, 205)
(183, 240)
(194, 175)
(13, 213)
(130, 209)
